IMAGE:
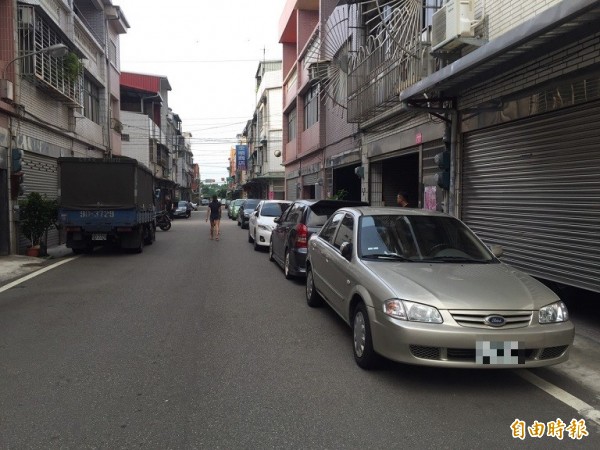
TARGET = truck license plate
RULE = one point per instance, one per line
(98, 237)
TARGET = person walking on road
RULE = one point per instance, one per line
(214, 214)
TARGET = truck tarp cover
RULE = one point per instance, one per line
(88, 183)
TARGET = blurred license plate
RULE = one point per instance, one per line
(98, 237)
(499, 353)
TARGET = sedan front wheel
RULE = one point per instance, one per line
(364, 355)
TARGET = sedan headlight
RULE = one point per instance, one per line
(414, 312)
(264, 227)
(555, 312)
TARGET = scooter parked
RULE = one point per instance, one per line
(163, 220)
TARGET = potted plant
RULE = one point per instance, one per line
(72, 67)
(37, 214)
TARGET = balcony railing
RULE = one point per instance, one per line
(46, 71)
(391, 59)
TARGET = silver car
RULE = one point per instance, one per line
(419, 287)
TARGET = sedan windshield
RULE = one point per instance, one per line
(419, 238)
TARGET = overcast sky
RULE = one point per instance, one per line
(209, 51)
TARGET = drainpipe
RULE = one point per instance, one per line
(108, 88)
(452, 206)
(13, 205)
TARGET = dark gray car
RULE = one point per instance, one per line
(245, 210)
(292, 230)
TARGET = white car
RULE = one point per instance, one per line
(262, 221)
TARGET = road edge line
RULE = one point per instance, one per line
(12, 284)
(561, 395)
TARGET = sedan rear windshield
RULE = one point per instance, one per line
(250, 204)
(273, 209)
(318, 218)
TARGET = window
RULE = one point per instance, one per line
(311, 107)
(295, 213)
(91, 100)
(344, 233)
(329, 228)
(292, 125)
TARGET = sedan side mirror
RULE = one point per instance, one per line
(277, 219)
(346, 250)
(496, 250)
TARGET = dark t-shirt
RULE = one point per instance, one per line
(215, 210)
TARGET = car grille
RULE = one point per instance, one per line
(476, 319)
(469, 354)
(420, 351)
(553, 352)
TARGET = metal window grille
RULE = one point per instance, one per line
(46, 71)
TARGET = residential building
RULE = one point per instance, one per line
(184, 177)
(52, 104)
(485, 110)
(148, 130)
(322, 149)
(264, 136)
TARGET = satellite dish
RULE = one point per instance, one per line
(277, 153)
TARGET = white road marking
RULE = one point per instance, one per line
(8, 286)
(577, 404)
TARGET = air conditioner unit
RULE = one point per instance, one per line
(27, 16)
(319, 70)
(6, 90)
(450, 23)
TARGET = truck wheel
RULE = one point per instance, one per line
(149, 236)
(140, 247)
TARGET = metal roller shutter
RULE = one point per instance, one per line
(40, 175)
(292, 190)
(532, 186)
(310, 179)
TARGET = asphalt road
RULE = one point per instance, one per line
(202, 344)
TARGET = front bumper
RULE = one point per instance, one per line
(452, 345)
(263, 237)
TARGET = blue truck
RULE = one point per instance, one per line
(106, 201)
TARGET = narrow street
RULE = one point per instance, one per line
(203, 344)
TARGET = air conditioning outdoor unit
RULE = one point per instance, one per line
(450, 23)
(319, 70)
(27, 18)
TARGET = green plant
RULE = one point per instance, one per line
(339, 195)
(37, 214)
(72, 66)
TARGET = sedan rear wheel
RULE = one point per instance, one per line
(364, 355)
(313, 299)
(286, 266)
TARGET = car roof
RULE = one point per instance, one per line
(394, 210)
(335, 203)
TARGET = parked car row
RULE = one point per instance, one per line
(415, 286)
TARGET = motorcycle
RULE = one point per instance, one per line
(163, 221)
